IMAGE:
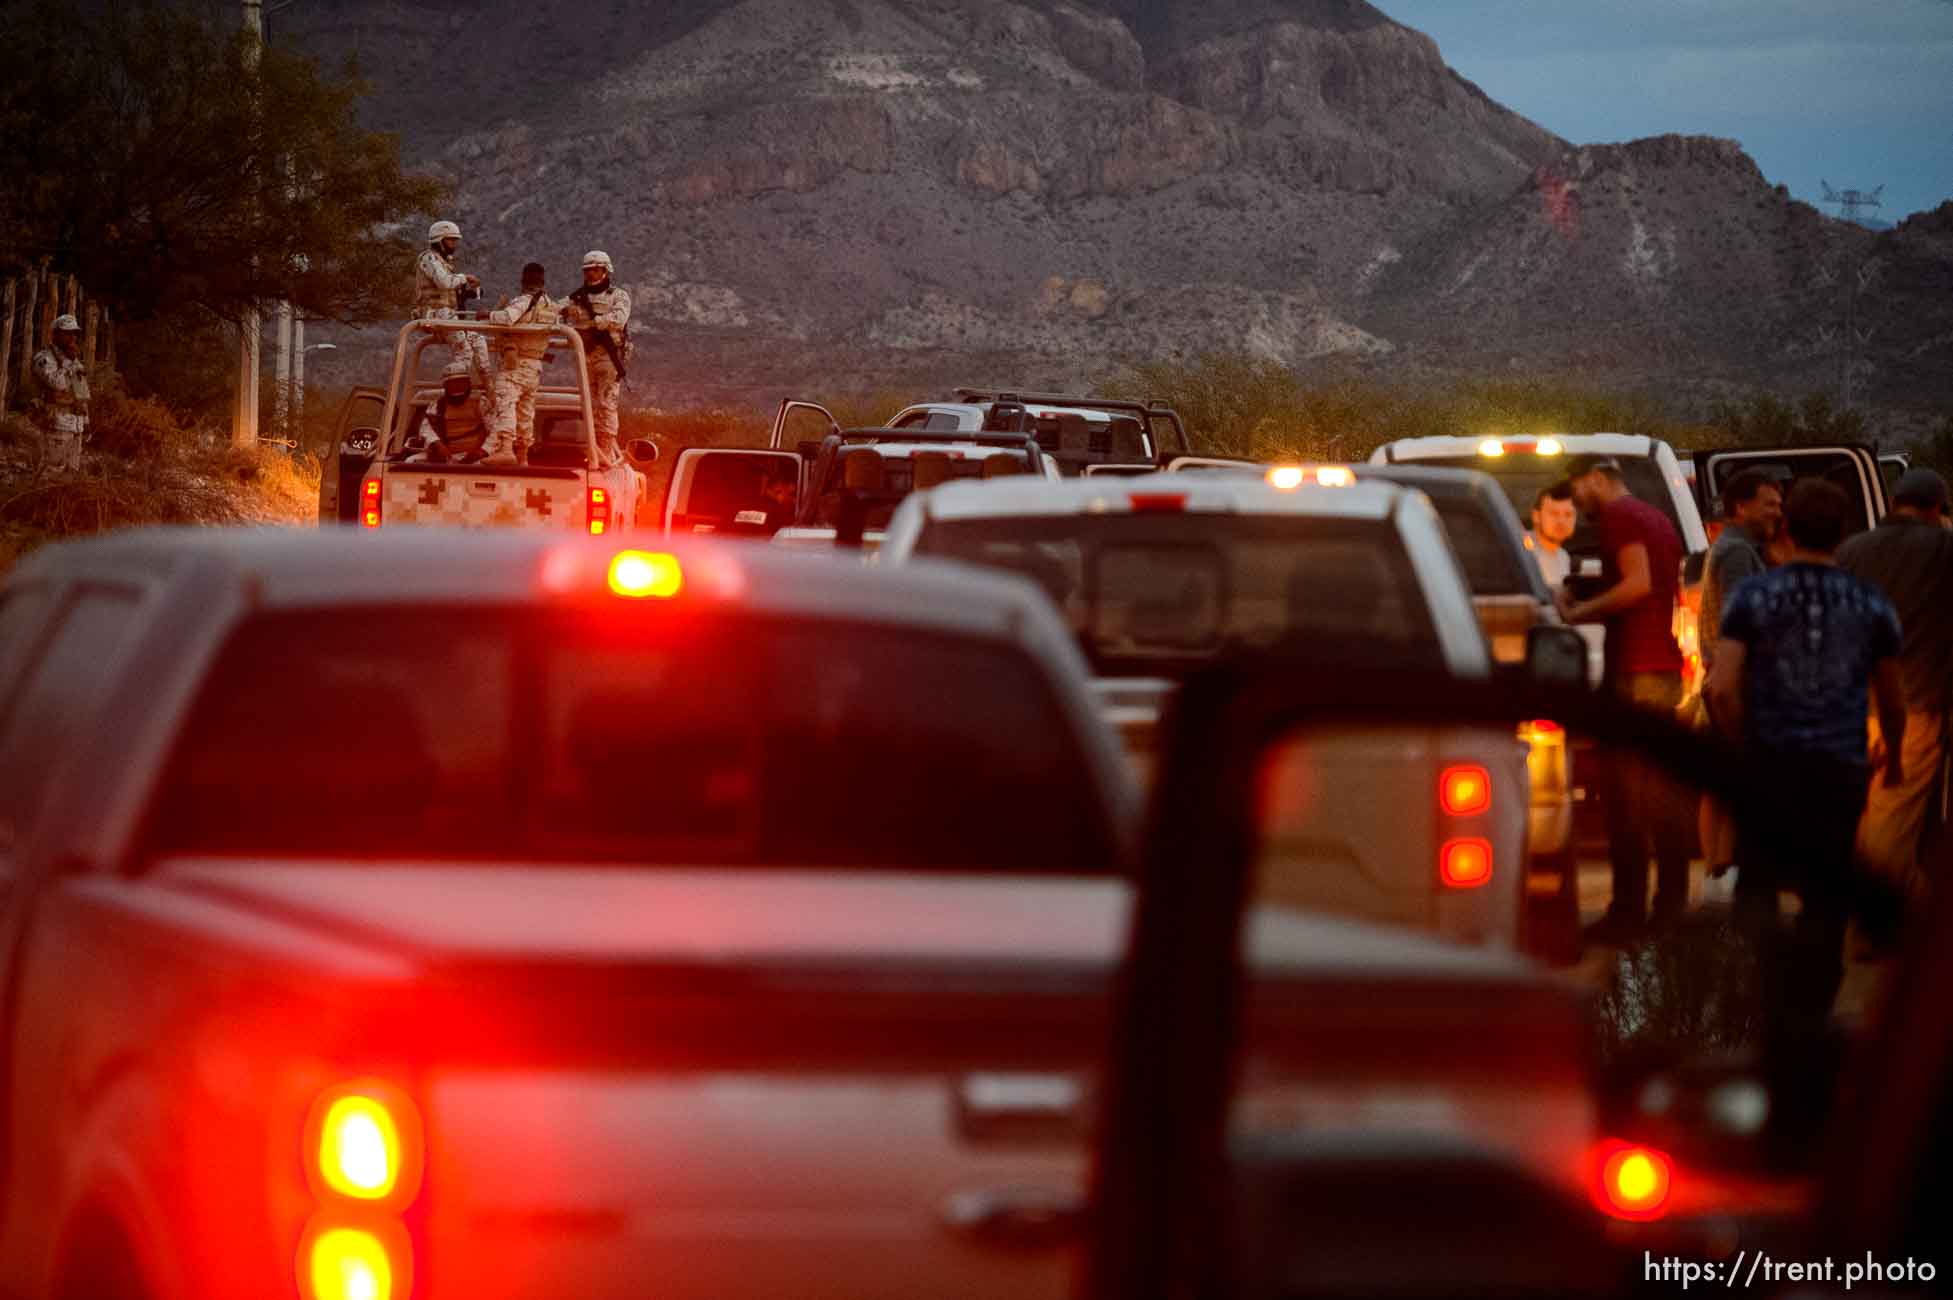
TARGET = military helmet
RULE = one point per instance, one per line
(457, 370)
(66, 324)
(443, 230)
(596, 257)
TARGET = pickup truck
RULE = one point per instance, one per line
(384, 474)
(1164, 574)
(1083, 435)
(843, 487)
(423, 916)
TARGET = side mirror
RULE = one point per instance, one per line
(1693, 566)
(363, 441)
(641, 452)
(1556, 656)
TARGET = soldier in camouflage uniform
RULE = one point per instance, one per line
(437, 295)
(455, 428)
(62, 411)
(520, 372)
(601, 313)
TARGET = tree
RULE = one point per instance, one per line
(1766, 420)
(144, 154)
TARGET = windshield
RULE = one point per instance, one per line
(1524, 478)
(1155, 594)
(513, 734)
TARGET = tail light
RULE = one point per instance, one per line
(355, 1261)
(363, 1155)
(599, 513)
(1465, 791)
(1158, 502)
(1632, 1181)
(369, 503)
(363, 1143)
(1464, 808)
(1465, 864)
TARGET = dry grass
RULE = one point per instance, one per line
(160, 472)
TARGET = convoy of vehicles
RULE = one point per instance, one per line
(398, 916)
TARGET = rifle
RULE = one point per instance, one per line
(581, 297)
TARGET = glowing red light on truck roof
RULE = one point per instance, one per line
(1158, 502)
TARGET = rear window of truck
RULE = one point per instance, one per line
(1523, 478)
(639, 736)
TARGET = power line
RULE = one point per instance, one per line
(1851, 204)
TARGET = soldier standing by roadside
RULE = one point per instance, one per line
(520, 372)
(62, 413)
(601, 313)
(1909, 557)
(438, 293)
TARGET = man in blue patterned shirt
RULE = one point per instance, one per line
(1803, 648)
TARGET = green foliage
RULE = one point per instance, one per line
(1765, 420)
(144, 154)
(1935, 450)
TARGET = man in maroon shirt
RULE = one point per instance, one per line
(1641, 559)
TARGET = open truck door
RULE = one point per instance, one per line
(783, 418)
(356, 441)
(1852, 467)
(733, 491)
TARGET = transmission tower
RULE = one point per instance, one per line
(1858, 277)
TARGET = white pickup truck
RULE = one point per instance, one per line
(404, 477)
(1162, 574)
(510, 915)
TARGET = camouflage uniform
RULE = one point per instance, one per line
(609, 313)
(436, 288)
(63, 411)
(520, 372)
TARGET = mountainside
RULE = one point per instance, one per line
(859, 193)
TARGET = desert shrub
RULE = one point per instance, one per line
(138, 426)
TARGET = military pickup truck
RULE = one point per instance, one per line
(421, 916)
(390, 470)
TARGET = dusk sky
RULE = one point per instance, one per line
(1855, 92)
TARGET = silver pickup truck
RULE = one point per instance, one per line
(414, 915)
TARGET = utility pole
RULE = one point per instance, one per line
(244, 419)
(1858, 277)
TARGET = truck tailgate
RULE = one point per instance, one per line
(471, 496)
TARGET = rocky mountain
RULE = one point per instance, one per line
(853, 194)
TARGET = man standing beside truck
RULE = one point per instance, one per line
(61, 382)
(1641, 559)
(600, 313)
(520, 372)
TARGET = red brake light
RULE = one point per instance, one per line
(1158, 502)
(1465, 791)
(369, 503)
(599, 512)
(1634, 1181)
(1544, 726)
(1465, 864)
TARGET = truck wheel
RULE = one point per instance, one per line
(1552, 921)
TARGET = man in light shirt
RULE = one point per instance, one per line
(1554, 518)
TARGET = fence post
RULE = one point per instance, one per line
(108, 340)
(30, 329)
(90, 323)
(50, 308)
(71, 297)
(6, 343)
